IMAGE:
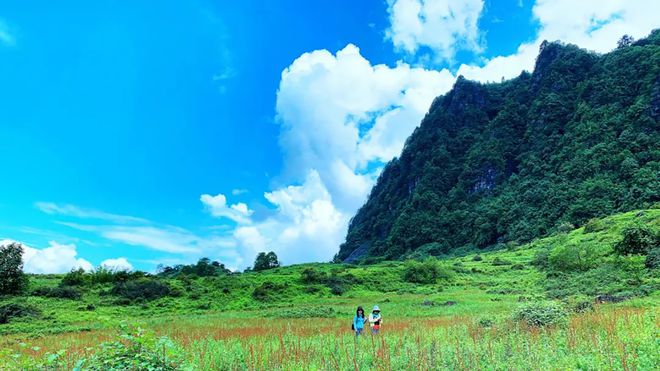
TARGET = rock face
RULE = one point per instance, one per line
(490, 163)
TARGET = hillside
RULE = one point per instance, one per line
(470, 311)
(571, 265)
(492, 163)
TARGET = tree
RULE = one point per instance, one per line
(624, 41)
(266, 261)
(13, 281)
(637, 239)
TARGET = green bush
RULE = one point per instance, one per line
(311, 276)
(101, 275)
(539, 314)
(148, 289)
(62, 292)
(136, 350)
(477, 258)
(582, 306)
(594, 225)
(486, 322)
(268, 291)
(653, 258)
(571, 258)
(500, 261)
(76, 277)
(14, 310)
(565, 227)
(426, 272)
(541, 259)
(637, 239)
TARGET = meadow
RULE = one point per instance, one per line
(568, 301)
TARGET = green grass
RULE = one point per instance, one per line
(219, 324)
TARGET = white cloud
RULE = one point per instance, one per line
(168, 239)
(6, 36)
(118, 264)
(590, 24)
(218, 207)
(78, 212)
(444, 26)
(341, 118)
(238, 191)
(340, 114)
(56, 258)
(307, 226)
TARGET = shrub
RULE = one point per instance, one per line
(339, 284)
(539, 314)
(498, 261)
(582, 306)
(477, 258)
(653, 259)
(541, 259)
(426, 272)
(141, 290)
(13, 310)
(311, 276)
(517, 267)
(486, 322)
(101, 275)
(267, 291)
(63, 292)
(76, 277)
(594, 225)
(637, 239)
(571, 258)
(13, 281)
(137, 350)
(565, 227)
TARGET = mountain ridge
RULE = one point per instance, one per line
(494, 163)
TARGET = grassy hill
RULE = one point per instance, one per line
(486, 288)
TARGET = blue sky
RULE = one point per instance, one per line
(163, 131)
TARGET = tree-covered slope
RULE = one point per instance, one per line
(578, 138)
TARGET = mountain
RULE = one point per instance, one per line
(505, 163)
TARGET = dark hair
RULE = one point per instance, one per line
(357, 312)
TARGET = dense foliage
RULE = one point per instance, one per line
(203, 268)
(265, 261)
(576, 139)
(12, 279)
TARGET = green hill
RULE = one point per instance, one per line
(491, 163)
(574, 266)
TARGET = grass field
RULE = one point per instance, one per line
(464, 319)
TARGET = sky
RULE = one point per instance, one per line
(135, 134)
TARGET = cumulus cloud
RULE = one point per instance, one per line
(339, 114)
(444, 26)
(56, 258)
(306, 227)
(118, 264)
(218, 207)
(341, 118)
(591, 24)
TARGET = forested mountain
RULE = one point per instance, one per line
(490, 163)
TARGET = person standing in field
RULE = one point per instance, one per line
(375, 320)
(358, 321)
